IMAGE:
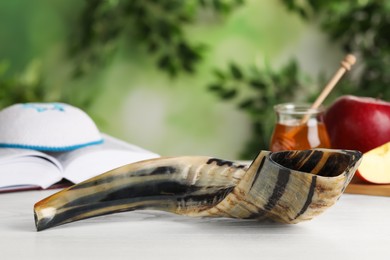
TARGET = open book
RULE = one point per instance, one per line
(25, 169)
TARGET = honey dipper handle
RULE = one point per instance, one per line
(346, 65)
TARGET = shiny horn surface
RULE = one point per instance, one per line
(288, 187)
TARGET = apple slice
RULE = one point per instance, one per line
(375, 166)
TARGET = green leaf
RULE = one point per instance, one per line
(153, 47)
(219, 74)
(235, 71)
(257, 84)
(216, 87)
(203, 3)
(218, 5)
(188, 66)
(240, 2)
(164, 61)
(228, 94)
(248, 103)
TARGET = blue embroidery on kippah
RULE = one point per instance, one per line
(50, 148)
(42, 108)
(58, 107)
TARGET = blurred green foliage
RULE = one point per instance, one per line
(157, 26)
(256, 91)
(158, 29)
(360, 27)
(20, 88)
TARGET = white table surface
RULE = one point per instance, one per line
(357, 227)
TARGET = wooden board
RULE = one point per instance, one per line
(358, 186)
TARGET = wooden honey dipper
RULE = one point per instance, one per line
(286, 141)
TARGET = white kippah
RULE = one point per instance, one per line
(47, 127)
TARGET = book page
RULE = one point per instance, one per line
(23, 167)
(9, 154)
(90, 161)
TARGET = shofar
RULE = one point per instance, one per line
(288, 187)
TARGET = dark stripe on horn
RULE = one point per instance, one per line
(280, 186)
(150, 188)
(74, 213)
(354, 158)
(258, 171)
(162, 170)
(312, 162)
(205, 200)
(334, 165)
(297, 158)
(146, 188)
(309, 196)
(304, 161)
(219, 162)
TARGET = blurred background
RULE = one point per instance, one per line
(195, 77)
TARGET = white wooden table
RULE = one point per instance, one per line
(357, 227)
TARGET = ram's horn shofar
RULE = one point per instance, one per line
(288, 186)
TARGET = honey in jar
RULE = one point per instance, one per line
(298, 127)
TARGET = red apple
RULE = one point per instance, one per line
(375, 166)
(358, 123)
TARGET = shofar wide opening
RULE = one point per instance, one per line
(318, 162)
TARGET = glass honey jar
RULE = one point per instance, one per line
(299, 127)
